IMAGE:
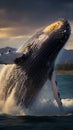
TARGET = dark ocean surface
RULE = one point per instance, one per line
(49, 119)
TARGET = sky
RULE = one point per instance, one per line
(19, 19)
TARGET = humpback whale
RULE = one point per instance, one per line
(33, 64)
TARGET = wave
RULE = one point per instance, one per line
(44, 105)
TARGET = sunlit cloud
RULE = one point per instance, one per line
(19, 32)
(21, 19)
(5, 32)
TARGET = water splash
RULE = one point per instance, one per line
(43, 105)
(46, 105)
(9, 106)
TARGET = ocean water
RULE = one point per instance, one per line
(44, 114)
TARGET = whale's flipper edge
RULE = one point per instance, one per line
(56, 92)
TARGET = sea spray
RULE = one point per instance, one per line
(8, 106)
(46, 105)
(43, 105)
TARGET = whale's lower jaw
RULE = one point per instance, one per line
(28, 76)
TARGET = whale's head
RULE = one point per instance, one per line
(58, 33)
(43, 47)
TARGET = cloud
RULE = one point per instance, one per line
(24, 17)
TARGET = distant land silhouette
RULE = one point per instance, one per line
(65, 60)
(2, 50)
(66, 56)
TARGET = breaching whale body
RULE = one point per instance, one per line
(33, 64)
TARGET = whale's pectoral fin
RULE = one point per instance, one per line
(56, 93)
(9, 56)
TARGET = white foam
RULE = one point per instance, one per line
(46, 105)
(43, 105)
(9, 106)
